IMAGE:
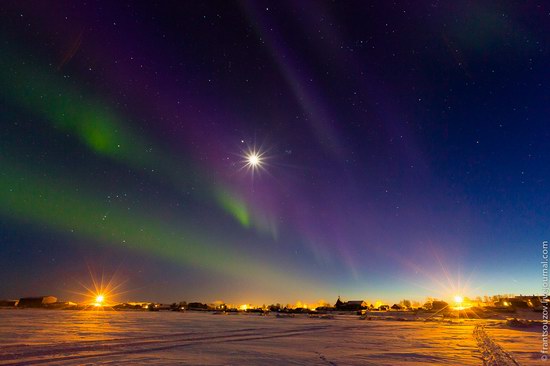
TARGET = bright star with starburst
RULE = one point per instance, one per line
(254, 160)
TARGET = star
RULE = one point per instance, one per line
(254, 160)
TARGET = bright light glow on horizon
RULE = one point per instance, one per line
(99, 300)
(103, 292)
(460, 304)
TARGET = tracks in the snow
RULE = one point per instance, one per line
(491, 352)
(54, 354)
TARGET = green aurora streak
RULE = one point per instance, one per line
(103, 132)
(46, 201)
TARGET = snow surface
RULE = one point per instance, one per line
(32, 337)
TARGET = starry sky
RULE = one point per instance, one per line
(404, 148)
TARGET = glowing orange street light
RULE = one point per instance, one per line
(99, 300)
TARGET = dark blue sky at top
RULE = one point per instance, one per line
(404, 142)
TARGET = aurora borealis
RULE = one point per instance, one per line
(404, 148)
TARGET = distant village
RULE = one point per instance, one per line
(497, 303)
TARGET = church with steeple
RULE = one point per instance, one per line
(350, 305)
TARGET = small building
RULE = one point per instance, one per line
(159, 307)
(396, 307)
(356, 305)
(63, 305)
(325, 308)
(197, 306)
(519, 303)
(36, 302)
(353, 305)
(534, 301)
(8, 303)
(130, 306)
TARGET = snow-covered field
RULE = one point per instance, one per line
(29, 337)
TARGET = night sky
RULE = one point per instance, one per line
(404, 148)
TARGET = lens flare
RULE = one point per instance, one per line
(254, 160)
(99, 299)
(101, 292)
